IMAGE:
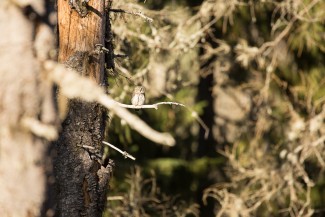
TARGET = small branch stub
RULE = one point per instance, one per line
(80, 6)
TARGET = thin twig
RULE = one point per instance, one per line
(139, 14)
(115, 198)
(86, 146)
(201, 122)
(287, 28)
(124, 153)
(153, 106)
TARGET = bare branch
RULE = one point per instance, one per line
(153, 106)
(139, 14)
(46, 131)
(73, 85)
(115, 198)
(124, 153)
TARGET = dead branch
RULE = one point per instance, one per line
(124, 153)
(153, 106)
(139, 14)
(73, 85)
(40, 129)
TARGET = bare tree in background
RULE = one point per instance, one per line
(28, 117)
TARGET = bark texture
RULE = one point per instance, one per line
(27, 110)
(82, 178)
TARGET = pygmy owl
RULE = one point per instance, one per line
(138, 96)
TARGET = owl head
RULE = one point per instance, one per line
(139, 90)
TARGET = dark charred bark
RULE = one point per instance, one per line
(82, 179)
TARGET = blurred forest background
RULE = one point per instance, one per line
(253, 72)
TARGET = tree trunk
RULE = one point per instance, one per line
(82, 179)
(27, 111)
